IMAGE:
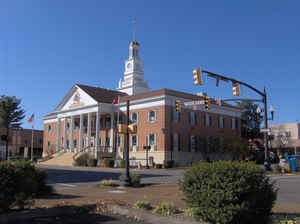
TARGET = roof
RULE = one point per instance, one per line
(171, 93)
(101, 95)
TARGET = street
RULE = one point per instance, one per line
(71, 177)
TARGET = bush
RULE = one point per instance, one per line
(229, 192)
(143, 205)
(82, 160)
(109, 163)
(135, 179)
(20, 182)
(92, 162)
(108, 183)
(169, 163)
(165, 209)
(122, 163)
(158, 166)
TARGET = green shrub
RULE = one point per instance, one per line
(165, 209)
(143, 205)
(20, 182)
(92, 162)
(122, 163)
(135, 179)
(158, 166)
(169, 163)
(109, 163)
(108, 183)
(82, 160)
(229, 192)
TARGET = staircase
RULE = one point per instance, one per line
(64, 159)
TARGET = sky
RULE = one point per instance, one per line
(48, 46)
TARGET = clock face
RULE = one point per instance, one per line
(129, 66)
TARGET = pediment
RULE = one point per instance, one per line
(75, 98)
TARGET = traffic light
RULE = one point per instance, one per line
(207, 102)
(236, 89)
(177, 106)
(197, 76)
(122, 129)
(132, 128)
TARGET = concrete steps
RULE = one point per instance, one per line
(64, 159)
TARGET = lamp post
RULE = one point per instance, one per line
(236, 84)
(127, 180)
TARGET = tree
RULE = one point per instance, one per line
(251, 121)
(11, 115)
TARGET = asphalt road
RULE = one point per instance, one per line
(62, 177)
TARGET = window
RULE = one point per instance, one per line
(175, 116)
(25, 142)
(68, 125)
(76, 126)
(134, 143)
(176, 142)
(193, 143)
(107, 122)
(48, 145)
(221, 122)
(134, 117)
(49, 128)
(120, 142)
(67, 143)
(107, 141)
(152, 115)
(152, 141)
(41, 141)
(192, 118)
(234, 123)
(75, 143)
(208, 120)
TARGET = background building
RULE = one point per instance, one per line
(286, 137)
(19, 139)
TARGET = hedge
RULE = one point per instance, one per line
(228, 192)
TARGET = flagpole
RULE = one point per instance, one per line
(118, 120)
(32, 141)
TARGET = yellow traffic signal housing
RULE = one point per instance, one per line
(132, 128)
(122, 129)
(207, 103)
(236, 89)
(177, 106)
(197, 76)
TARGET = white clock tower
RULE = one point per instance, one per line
(133, 82)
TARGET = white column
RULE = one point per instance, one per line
(65, 134)
(57, 135)
(97, 148)
(111, 131)
(80, 132)
(72, 134)
(89, 131)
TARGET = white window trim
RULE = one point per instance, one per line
(137, 117)
(155, 117)
(233, 123)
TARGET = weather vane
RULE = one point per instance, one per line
(134, 28)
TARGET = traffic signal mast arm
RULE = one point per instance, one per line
(226, 79)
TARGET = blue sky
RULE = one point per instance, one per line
(47, 46)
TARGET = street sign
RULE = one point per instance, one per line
(263, 130)
(195, 102)
(147, 147)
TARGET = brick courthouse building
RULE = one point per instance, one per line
(86, 114)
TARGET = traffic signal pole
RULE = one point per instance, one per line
(264, 100)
